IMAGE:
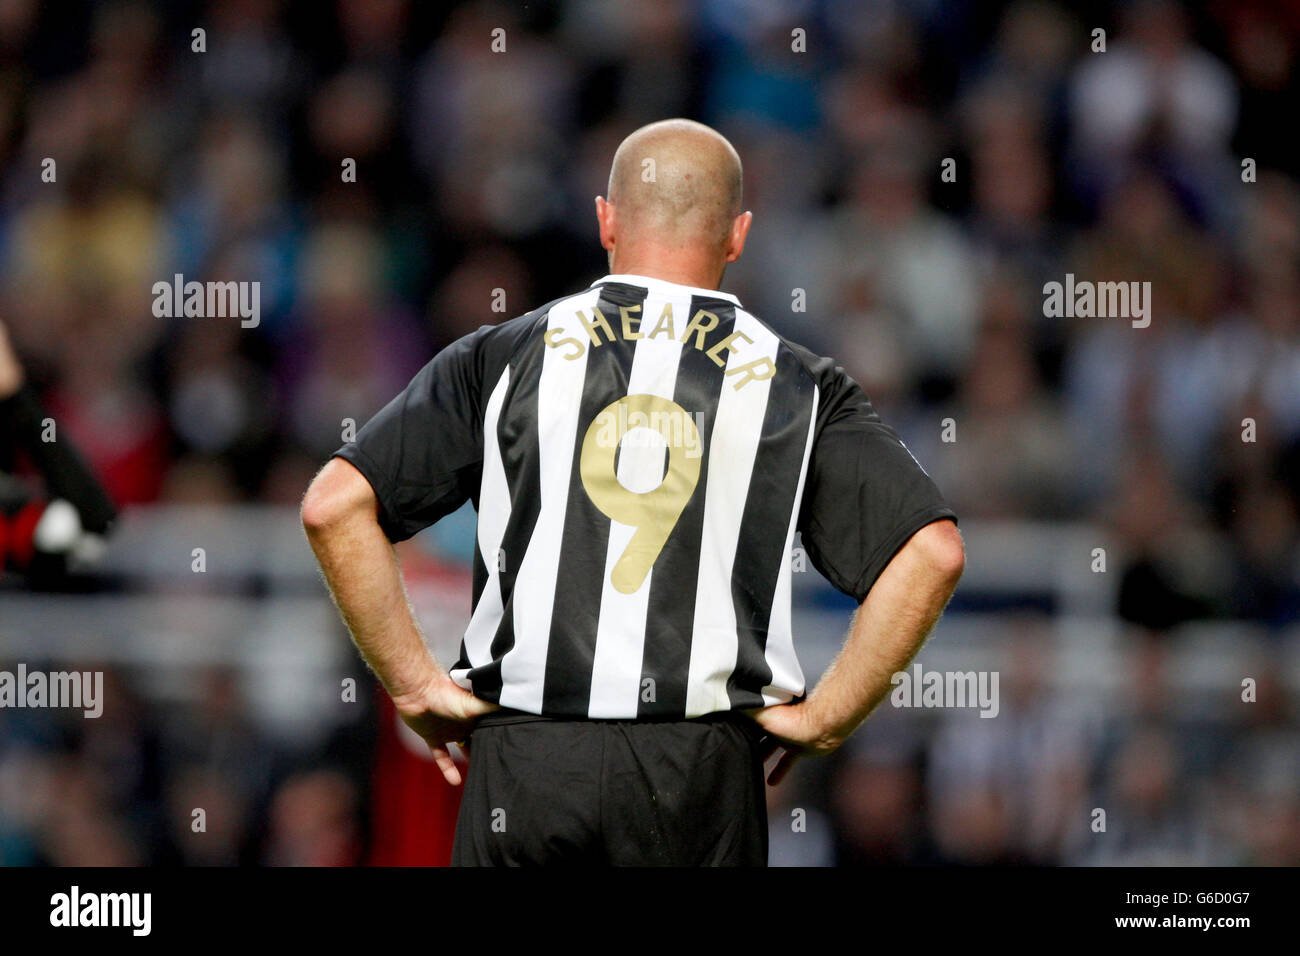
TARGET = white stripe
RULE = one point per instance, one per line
(787, 675)
(559, 400)
(664, 288)
(621, 631)
(493, 514)
(732, 449)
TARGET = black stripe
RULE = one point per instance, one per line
(480, 582)
(580, 577)
(670, 620)
(768, 507)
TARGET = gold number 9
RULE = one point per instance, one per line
(652, 513)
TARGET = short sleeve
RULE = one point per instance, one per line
(865, 494)
(422, 452)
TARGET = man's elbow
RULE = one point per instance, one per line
(338, 494)
(942, 550)
(320, 511)
(316, 512)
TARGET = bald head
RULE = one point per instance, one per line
(688, 193)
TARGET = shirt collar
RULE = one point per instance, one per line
(664, 286)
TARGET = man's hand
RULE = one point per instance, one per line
(795, 729)
(887, 631)
(442, 712)
(11, 370)
(340, 516)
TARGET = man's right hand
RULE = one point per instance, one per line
(442, 712)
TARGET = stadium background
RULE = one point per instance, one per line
(475, 172)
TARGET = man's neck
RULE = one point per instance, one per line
(693, 275)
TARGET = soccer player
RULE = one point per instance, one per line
(44, 532)
(640, 454)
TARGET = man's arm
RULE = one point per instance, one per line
(340, 516)
(887, 631)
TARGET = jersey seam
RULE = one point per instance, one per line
(895, 541)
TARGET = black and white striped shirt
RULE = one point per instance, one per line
(641, 455)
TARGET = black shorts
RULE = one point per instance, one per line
(613, 792)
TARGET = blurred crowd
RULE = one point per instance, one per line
(1162, 159)
(1150, 775)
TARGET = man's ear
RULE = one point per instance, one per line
(739, 232)
(605, 219)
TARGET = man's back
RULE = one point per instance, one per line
(641, 455)
(634, 564)
(638, 454)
